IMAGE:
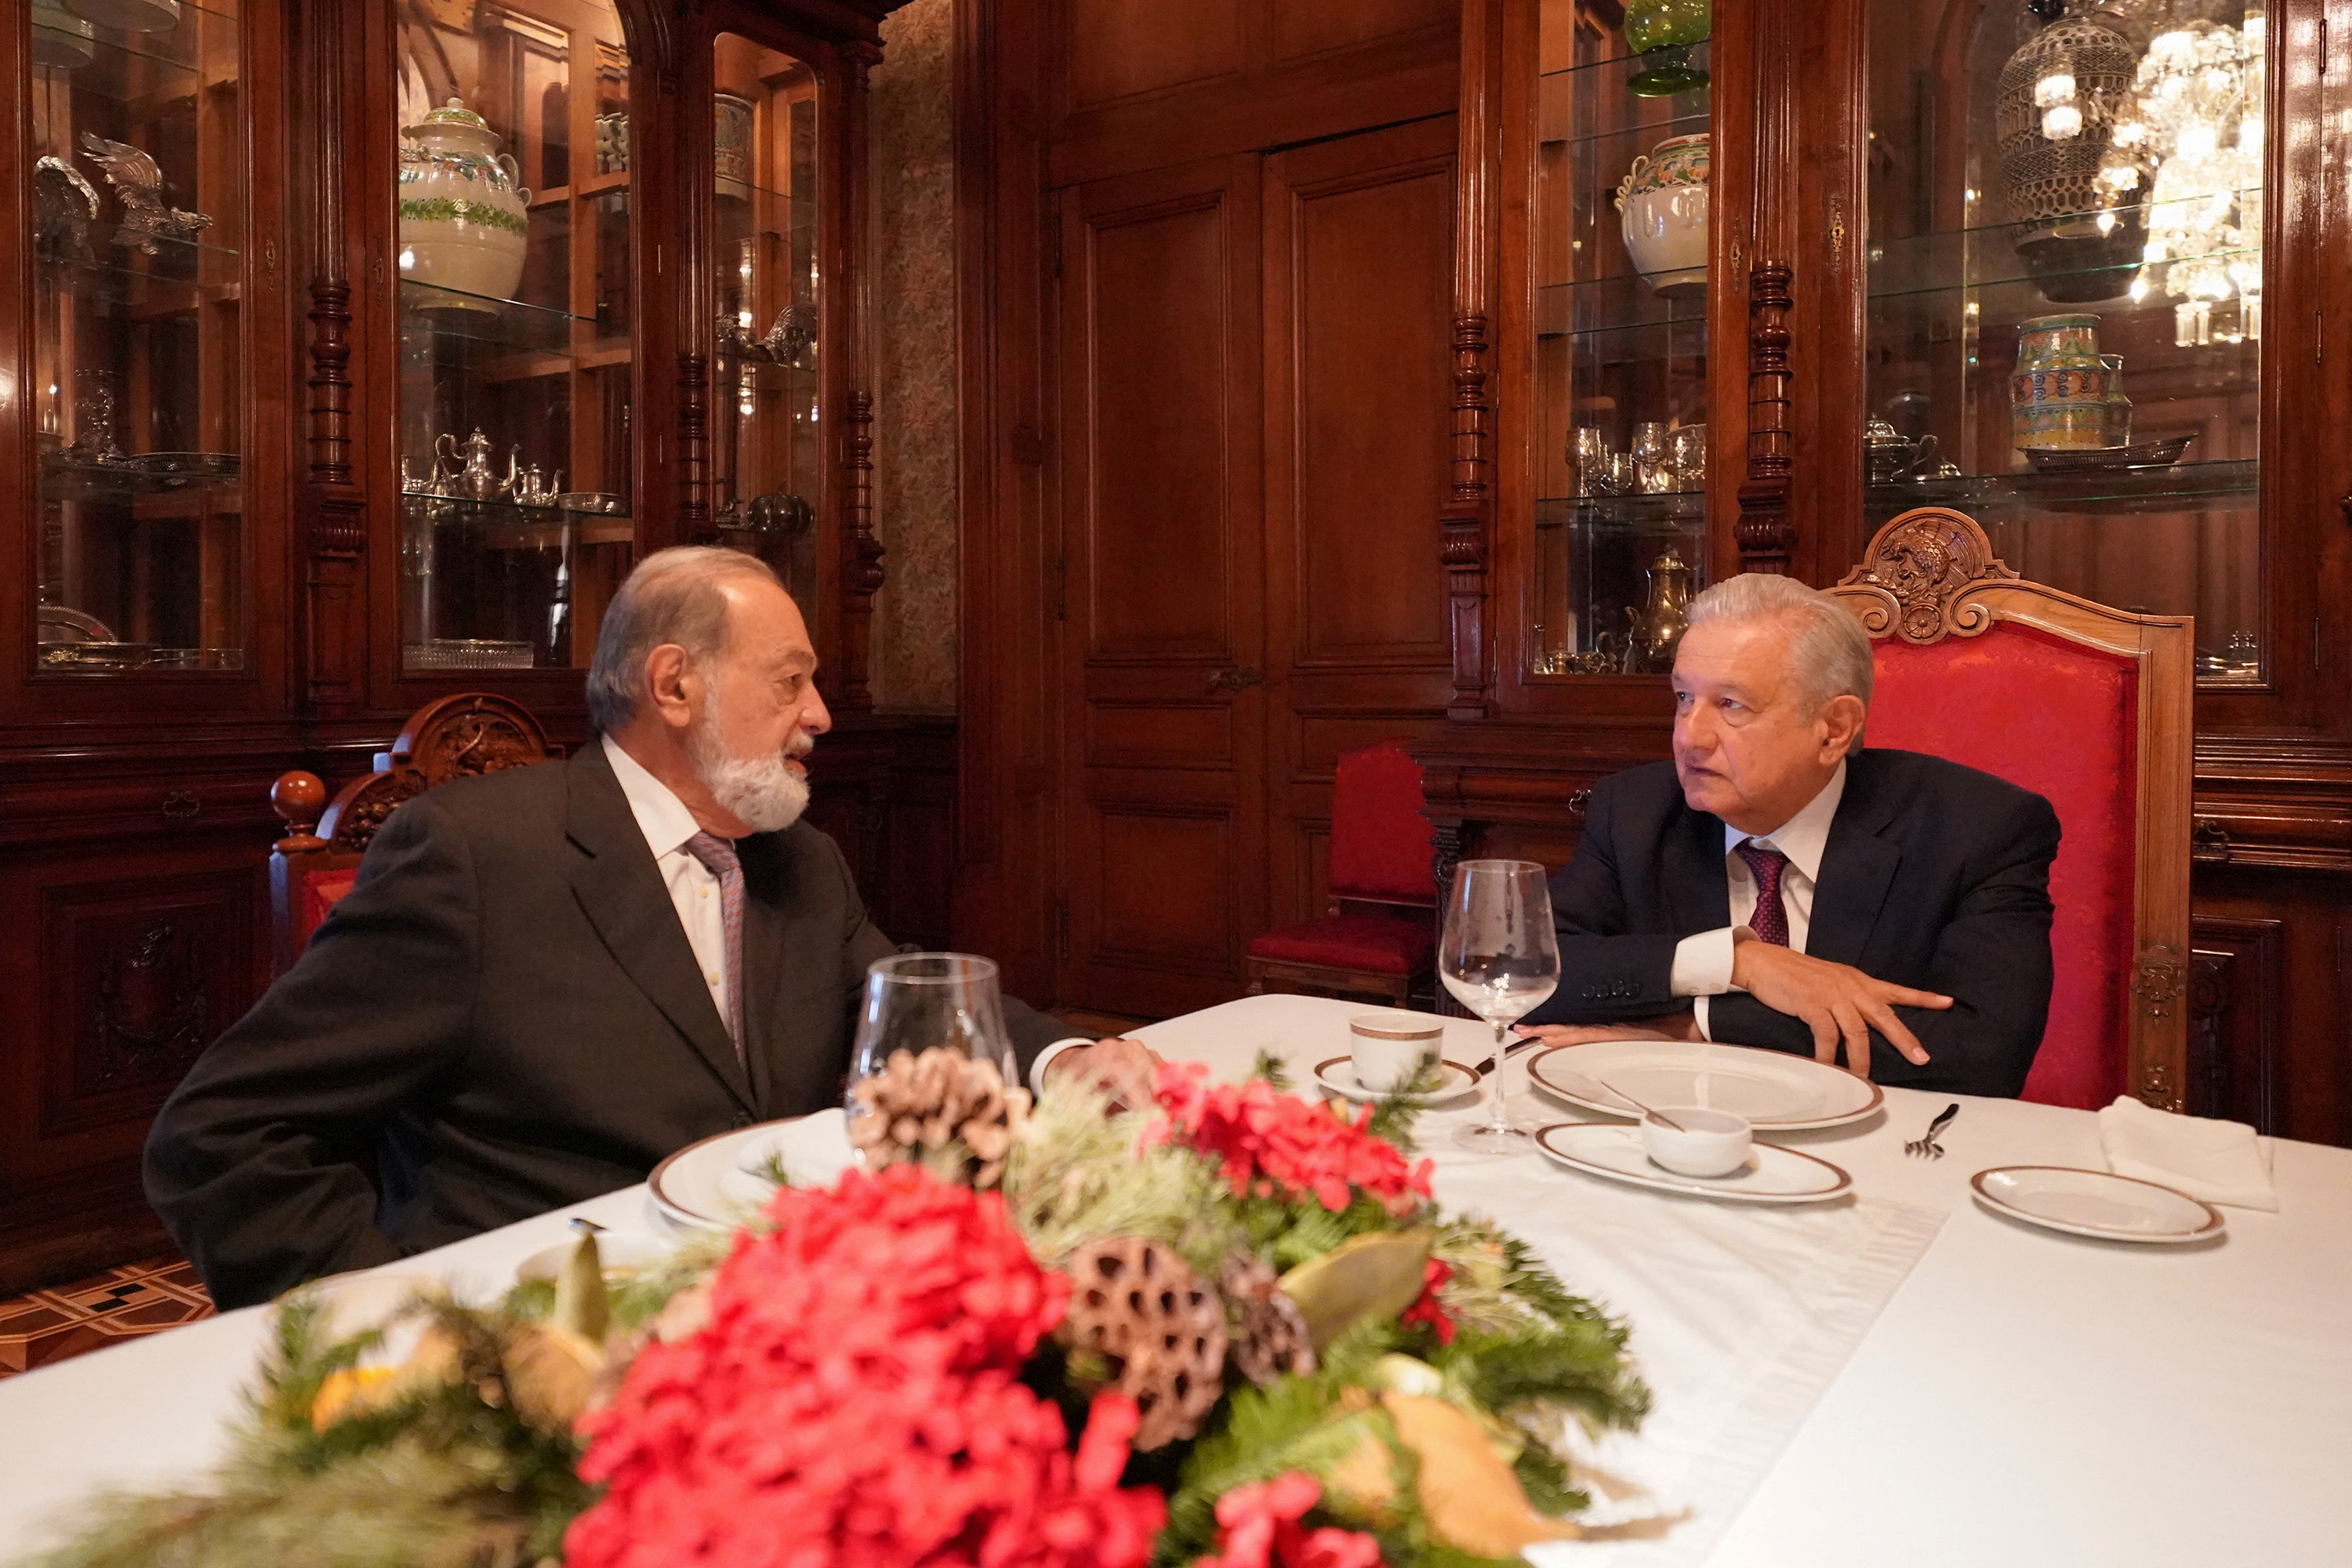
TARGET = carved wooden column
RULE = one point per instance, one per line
(1468, 522)
(1764, 533)
(334, 511)
(861, 572)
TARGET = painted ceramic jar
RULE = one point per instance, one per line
(1662, 202)
(464, 213)
(2058, 395)
(731, 132)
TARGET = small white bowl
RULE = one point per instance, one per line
(1710, 1143)
(1388, 1048)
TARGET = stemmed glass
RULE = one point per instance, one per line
(918, 1000)
(1501, 960)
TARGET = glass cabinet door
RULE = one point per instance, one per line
(2064, 319)
(767, 467)
(139, 202)
(1619, 241)
(514, 331)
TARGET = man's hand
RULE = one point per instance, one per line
(1837, 1001)
(1673, 1026)
(1126, 1070)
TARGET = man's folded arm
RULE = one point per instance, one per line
(1992, 959)
(260, 1163)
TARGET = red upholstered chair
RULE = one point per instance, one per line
(2090, 708)
(1378, 939)
(314, 866)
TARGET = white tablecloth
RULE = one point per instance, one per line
(1901, 1378)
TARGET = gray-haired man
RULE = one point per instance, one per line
(1776, 885)
(547, 979)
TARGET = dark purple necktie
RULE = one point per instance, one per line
(1770, 920)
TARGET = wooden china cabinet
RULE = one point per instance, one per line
(1894, 205)
(350, 352)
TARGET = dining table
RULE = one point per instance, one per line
(1900, 1374)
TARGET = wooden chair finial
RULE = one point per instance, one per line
(297, 797)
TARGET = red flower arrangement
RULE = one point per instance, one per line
(1274, 1145)
(1258, 1528)
(855, 1400)
(1430, 1305)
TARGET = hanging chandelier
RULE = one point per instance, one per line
(2187, 148)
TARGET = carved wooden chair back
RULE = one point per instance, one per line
(2089, 707)
(315, 863)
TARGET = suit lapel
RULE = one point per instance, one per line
(1857, 869)
(766, 945)
(621, 889)
(1698, 890)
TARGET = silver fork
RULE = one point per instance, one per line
(1924, 1146)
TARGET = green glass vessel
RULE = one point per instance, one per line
(1663, 32)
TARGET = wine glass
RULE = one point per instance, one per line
(918, 1000)
(1501, 960)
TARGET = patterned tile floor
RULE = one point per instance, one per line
(46, 1326)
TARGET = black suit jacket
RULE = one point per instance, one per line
(502, 1016)
(1935, 876)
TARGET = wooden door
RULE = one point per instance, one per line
(1161, 501)
(1359, 368)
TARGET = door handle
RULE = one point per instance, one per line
(1235, 679)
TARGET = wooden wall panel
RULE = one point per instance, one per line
(1122, 48)
(1163, 511)
(1358, 284)
(1157, 387)
(1304, 28)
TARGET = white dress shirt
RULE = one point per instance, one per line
(1703, 962)
(663, 818)
(667, 823)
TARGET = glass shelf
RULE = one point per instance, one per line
(1988, 257)
(1675, 510)
(1701, 54)
(1621, 303)
(2181, 486)
(522, 356)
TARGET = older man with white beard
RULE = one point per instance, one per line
(547, 979)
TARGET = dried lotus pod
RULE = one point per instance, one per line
(935, 1105)
(1156, 1326)
(1269, 1336)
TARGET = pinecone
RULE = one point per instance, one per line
(923, 1105)
(1269, 1337)
(1158, 1327)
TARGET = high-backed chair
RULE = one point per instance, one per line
(315, 863)
(2089, 707)
(1377, 940)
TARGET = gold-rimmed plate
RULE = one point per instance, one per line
(1771, 1174)
(1776, 1091)
(2097, 1203)
(1455, 1083)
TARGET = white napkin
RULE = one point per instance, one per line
(2220, 1162)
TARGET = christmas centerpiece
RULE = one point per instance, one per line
(1231, 1330)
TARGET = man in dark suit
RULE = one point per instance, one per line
(547, 979)
(1775, 885)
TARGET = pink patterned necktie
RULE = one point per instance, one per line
(718, 857)
(1770, 920)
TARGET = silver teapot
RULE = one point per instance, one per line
(469, 474)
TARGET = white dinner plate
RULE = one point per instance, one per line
(1772, 1175)
(1453, 1084)
(717, 1181)
(2096, 1203)
(1775, 1093)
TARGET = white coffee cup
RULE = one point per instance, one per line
(1389, 1047)
(1707, 1142)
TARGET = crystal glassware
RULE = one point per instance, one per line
(918, 1000)
(1654, 460)
(1588, 456)
(1690, 457)
(1500, 959)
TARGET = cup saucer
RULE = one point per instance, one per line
(1455, 1082)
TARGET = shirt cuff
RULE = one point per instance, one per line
(1037, 1067)
(1698, 1018)
(1703, 964)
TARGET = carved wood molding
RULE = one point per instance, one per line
(1764, 533)
(1467, 522)
(1913, 580)
(694, 450)
(456, 737)
(329, 435)
(862, 574)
